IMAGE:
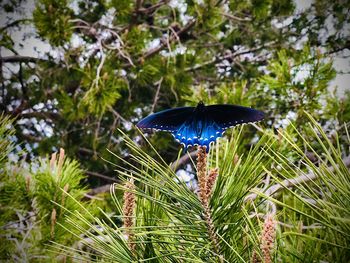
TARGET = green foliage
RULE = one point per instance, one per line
(312, 215)
(34, 201)
(131, 39)
(112, 62)
(48, 185)
(341, 108)
(295, 85)
(147, 73)
(124, 10)
(322, 203)
(6, 41)
(103, 94)
(6, 131)
(52, 20)
(72, 108)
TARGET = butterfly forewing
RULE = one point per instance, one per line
(226, 116)
(167, 120)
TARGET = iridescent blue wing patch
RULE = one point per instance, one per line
(198, 131)
(201, 125)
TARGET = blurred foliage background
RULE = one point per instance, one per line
(107, 64)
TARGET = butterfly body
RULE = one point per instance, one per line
(200, 125)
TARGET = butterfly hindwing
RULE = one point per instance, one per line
(198, 131)
(167, 120)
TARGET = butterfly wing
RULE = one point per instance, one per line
(201, 125)
(226, 116)
(198, 130)
(216, 119)
(167, 120)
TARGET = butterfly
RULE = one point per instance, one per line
(200, 125)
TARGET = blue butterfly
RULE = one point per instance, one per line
(200, 125)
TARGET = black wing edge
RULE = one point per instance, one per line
(167, 120)
(231, 115)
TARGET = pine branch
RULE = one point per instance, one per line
(20, 59)
(156, 96)
(164, 42)
(138, 5)
(339, 49)
(15, 23)
(287, 183)
(101, 189)
(230, 56)
(104, 177)
(152, 8)
(31, 138)
(36, 114)
(183, 160)
(117, 115)
(235, 18)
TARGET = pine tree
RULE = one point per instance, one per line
(114, 62)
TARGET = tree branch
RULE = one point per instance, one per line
(230, 56)
(156, 96)
(232, 17)
(138, 5)
(167, 40)
(183, 160)
(30, 137)
(15, 23)
(85, 150)
(18, 59)
(99, 190)
(36, 114)
(339, 49)
(293, 182)
(152, 8)
(118, 116)
(104, 177)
